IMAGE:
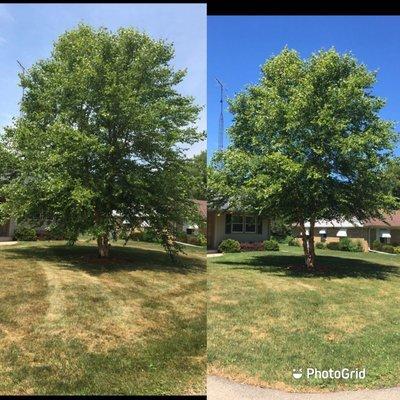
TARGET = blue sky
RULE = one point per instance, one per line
(27, 32)
(237, 46)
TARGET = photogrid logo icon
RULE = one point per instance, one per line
(297, 373)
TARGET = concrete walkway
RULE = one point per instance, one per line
(8, 243)
(214, 254)
(224, 389)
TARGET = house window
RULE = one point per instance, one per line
(322, 235)
(384, 236)
(251, 224)
(189, 231)
(237, 223)
(243, 224)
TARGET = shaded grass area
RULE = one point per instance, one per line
(264, 318)
(73, 324)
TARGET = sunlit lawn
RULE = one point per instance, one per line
(73, 324)
(264, 320)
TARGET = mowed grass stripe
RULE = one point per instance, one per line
(126, 326)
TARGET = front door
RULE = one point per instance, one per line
(210, 229)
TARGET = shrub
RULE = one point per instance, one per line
(377, 245)
(346, 244)
(320, 245)
(388, 248)
(333, 246)
(229, 246)
(271, 245)
(25, 233)
(358, 246)
(252, 246)
(202, 240)
(396, 250)
(292, 241)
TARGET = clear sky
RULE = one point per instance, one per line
(237, 46)
(27, 32)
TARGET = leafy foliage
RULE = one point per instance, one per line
(292, 241)
(98, 146)
(271, 245)
(229, 246)
(25, 232)
(388, 248)
(346, 244)
(197, 169)
(333, 246)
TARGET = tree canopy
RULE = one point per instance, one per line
(197, 166)
(307, 143)
(97, 147)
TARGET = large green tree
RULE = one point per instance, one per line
(98, 143)
(197, 169)
(307, 143)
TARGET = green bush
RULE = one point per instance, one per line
(320, 245)
(388, 248)
(202, 239)
(25, 233)
(292, 241)
(377, 245)
(396, 250)
(346, 244)
(271, 245)
(333, 246)
(229, 246)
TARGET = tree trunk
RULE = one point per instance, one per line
(308, 245)
(103, 246)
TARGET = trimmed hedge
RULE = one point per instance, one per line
(320, 245)
(25, 233)
(251, 246)
(271, 245)
(333, 246)
(388, 248)
(229, 246)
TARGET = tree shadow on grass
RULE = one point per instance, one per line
(85, 258)
(328, 267)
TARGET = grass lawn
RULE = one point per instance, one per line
(264, 320)
(71, 323)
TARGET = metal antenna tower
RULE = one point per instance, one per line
(23, 73)
(221, 118)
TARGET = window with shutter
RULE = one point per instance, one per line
(259, 225)
(228, 218)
